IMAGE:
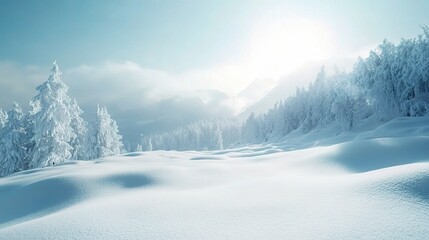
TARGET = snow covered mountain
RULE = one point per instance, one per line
(363, 184)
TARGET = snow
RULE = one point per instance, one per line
(366, 184)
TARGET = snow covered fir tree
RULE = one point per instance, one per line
(105, 139)
(54, 132)
(14, 151)
(52, 116)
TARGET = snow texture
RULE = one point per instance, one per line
(320, 185)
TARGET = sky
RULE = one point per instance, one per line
(161, 64)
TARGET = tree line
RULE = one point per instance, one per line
(393, 81)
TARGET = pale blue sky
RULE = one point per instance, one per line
(161, 64)
(179, 35)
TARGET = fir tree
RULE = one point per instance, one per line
(13, 142)
(79, 141)
(105, 138)
(218, 140)
(3, 118)
(139, 148)
(52, 121)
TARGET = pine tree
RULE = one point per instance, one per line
(250, 129)
(28, 125)
(218, 137)
(3, 118)
(52, 122)
(139, 148)
(105, 138)
(3, 121)
(13, 143)
(79, 141)
(149, 145)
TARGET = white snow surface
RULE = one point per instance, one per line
(366, 184)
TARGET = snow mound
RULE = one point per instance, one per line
(356, 185)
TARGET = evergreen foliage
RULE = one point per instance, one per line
(52, 122)
(105, 138)
(392, 82)
(53, 132)
(13, 142)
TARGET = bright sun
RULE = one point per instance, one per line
(277, 48)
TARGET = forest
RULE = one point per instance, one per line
(393, 81)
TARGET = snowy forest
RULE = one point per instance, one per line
(393, 81)
(190, 120)
(54, 131)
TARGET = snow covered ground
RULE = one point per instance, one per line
(322, 185)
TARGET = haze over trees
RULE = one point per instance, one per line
(393, 81)
(204, 135)
(53, 131)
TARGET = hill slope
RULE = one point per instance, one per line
(359, 185)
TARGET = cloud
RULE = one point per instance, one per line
(141, 100)
(111, 82)
(117, 79)
(17, 83)
(145, 100)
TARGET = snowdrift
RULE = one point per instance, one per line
(356, 185)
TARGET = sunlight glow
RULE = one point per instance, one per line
(277, 48)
